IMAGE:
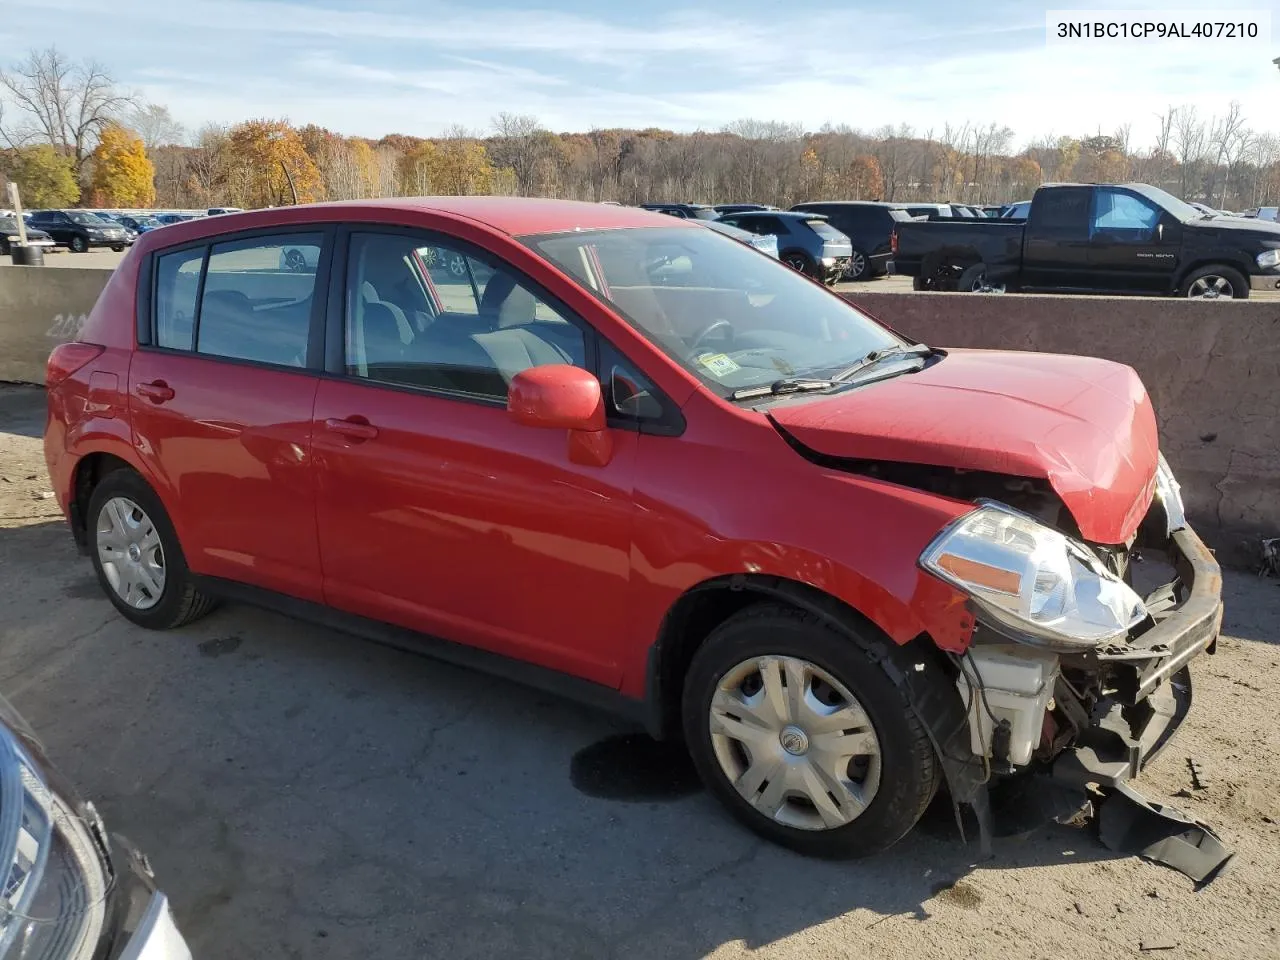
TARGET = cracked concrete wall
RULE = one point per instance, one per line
(1212, 369)
(41, 307)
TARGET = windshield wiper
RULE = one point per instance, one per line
(780, 387)
(875, 356)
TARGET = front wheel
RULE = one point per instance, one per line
(117, 248)
(975, 280)
(1215, 283)
(799, 730)
(858, 269)
(79, 244)
(137, 556)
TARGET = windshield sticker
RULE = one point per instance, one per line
(719, 364)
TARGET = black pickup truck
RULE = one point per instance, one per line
(1094, 238)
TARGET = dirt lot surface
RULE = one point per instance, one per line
(306, 794)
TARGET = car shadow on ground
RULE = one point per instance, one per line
(22, 410)
(304, 792)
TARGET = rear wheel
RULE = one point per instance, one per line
(799, 730)
(800, 263)
(1215, 283)
(78, 244)
(137, 556)
(975, 280)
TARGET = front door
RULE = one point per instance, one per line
(436, 510)
(1133, 244)
(220, 403)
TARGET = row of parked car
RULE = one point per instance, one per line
(828, 240)
(82, 230)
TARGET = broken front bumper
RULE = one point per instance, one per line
(1153, 685)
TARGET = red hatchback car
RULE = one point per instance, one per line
(631, 459)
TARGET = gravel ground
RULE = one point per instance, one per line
(306, 794)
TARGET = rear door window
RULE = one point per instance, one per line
(1062, 212)
(257, 299)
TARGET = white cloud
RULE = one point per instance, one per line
(376, 71)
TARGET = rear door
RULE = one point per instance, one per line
(221, 390)
(437, 511)
(1055, 247)
(1133, 244)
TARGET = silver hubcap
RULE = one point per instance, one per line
(795, 743)
(796, 263)
(856, 265)
(1211, 288)
(130, 552)
(457, 266)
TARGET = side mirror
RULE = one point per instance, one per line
(564, 397)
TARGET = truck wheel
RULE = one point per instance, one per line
(801, 731)
(920, 283)
(78, 244)
(1215, 283)
(974, 280)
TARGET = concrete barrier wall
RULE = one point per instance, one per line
(41, 307)
(1212, 369)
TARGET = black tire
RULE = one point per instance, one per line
(859, 659)
(180, 602)
(864, 271)
(974, 278)
(919, 283)
(78, 244)
(5, 250)
(1233, 278)
(116, 248)
(799, 262)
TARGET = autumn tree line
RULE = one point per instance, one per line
(69, 135)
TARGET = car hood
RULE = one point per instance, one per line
(1084, 425)
(1262, 229)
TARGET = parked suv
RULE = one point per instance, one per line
(868, 225)
(652, 468)
(806, 241)
(78, 230)
(685, 211)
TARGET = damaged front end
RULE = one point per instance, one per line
(1070, 671)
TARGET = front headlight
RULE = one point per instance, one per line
(53, 878)
(1042, 587)
(1268, 259)
(1170, 495)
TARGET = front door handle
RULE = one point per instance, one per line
(157, 391)
(352, 428)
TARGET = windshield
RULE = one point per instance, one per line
(87, 218)
(146, 221)
(732, 317)
(704, 213)
(1179, 208)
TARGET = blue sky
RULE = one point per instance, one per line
(421, 67)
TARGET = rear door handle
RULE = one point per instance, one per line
(157, 391)
(352, 428)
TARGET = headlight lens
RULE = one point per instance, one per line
(53, 882)
(1268, 259)
(1170, 494)
(1043, 587)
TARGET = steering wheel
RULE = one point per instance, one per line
(709, 329)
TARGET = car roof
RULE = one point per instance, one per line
(516, 216)
(793, 214)
(849, 203)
